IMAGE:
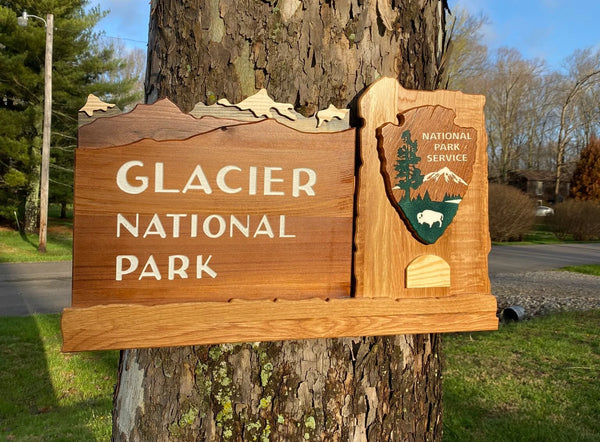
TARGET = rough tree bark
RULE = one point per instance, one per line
(311, 54)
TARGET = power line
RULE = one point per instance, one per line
(124, 38)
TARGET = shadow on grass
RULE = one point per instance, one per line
(41, 396)
(26, 239)
(480, 421)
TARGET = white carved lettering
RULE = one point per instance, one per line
(206, 226)
(198, 174)
(181, 270)
(203, 267)
(269, 179)
(306, 187)
(159, 178)
(124, 185)
(133, 264)
(153, 272)
(221, 179)
(122, 221)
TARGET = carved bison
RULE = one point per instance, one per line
(430, 217)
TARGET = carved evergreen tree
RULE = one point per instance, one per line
(409, 175)
(311, 54)
(585, 183)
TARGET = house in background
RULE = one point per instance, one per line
(539, 184)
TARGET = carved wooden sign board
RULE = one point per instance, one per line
(249, 222)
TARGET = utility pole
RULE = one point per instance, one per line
(45, 171)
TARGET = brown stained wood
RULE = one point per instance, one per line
(137, 326)
(427, 271)
(262, 240)
(384, 244)
(160, 121)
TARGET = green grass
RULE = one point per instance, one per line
(529, 381)
(541, 237)
(541, 233)
(21, 247)
(592, 269)
(47, 395)
(16, 247)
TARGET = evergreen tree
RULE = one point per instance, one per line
(409, 176)
(80, 65)
(585, 184)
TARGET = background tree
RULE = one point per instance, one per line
(467, 58)
(583, 77)
(585, 184)
(511, 89)
(311, 54)
(536, 118)
(79, 67)
(126, 82)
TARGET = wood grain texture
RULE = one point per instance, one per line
(136, 326)
(159, 121)
(83, 118)
(427, 271)
(332, 113)
(294, 246)
(269, 287)
(328, 122)
(261, 105)
(93, 104)
(384, 245)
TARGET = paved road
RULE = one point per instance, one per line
(518, 259)
(27, 288)
(46, 287)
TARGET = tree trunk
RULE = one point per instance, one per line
(32, 203)
(311, 54)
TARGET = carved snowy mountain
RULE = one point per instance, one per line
(446, 174)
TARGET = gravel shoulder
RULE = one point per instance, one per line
(543, 292)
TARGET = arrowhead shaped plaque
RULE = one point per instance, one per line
(427, 165)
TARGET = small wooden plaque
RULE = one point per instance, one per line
(385, 243)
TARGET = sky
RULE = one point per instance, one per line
(546, 29)
(127, 20)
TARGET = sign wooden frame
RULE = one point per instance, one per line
(401, 286)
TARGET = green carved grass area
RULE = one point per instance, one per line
(435, 218)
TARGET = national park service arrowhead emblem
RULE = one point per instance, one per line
(427, 165)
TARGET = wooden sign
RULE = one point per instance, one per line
(194, 229)
(241, 212)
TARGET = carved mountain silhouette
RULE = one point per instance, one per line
(441, 184)
(446, 174)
